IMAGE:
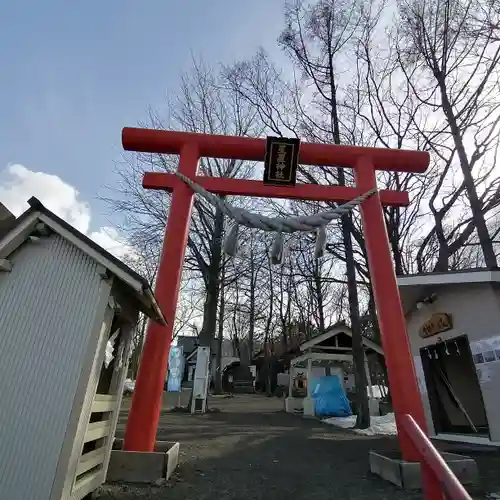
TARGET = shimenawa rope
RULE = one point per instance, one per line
(309, 223)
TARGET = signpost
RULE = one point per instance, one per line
(281, 160)
(200, 382)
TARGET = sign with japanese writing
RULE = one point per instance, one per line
(437, 323)
(280, 164)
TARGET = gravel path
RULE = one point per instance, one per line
(253, 450)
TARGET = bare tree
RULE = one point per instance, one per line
(432, 89)
(312, 281)
(385, 107)
(220, 331)
(202, 105)
(453, 71)
(317, 37)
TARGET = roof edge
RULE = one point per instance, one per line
(133, 279)
(36, 203)
(450, 278)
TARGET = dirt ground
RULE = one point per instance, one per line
(251, 449)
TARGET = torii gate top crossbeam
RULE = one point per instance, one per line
(244, 148)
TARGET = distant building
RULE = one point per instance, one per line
(189, 344)
(228, 355)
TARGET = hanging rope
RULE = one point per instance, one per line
(308, 223)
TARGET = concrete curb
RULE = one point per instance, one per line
(407, 475)
(143, 467)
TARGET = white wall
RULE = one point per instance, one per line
(475, 310)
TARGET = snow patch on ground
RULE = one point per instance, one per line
(380, 426)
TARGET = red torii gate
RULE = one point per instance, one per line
(146, 404)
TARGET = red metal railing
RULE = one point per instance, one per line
(438, 479)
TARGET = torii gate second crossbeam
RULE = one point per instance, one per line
(146, 404)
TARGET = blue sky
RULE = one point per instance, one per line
(75, 73)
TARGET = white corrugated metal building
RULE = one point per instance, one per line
(61, 299)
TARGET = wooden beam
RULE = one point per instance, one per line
(242, 187)
(96, 430)
(104, 403)
(90, 460)
(319, 348)
(317, 356)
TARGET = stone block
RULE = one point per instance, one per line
(407, 475)
(308, 407)
(172, 459)
(143, 467)
(293, 404)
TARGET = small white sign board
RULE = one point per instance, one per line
(201, 377)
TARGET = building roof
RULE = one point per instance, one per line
(479, 275)
(188, 343)
(416, 287)
(227, 348)
(26, 224)
(338, 330)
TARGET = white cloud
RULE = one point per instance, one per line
(18, 184)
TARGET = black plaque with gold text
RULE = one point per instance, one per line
(280, 164)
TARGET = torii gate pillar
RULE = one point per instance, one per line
(146, 404)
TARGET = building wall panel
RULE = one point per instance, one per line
(47, 308)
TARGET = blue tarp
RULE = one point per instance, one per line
(329, 398)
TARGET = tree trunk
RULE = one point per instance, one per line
(212, 281)
(220, 338)
(267, 332)
(377, 338)
(251, 326)
(319, 298)
(485, 240)
(393, 232)
(207, 333)
(358, 353)
(271, 365)
(139, 343)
